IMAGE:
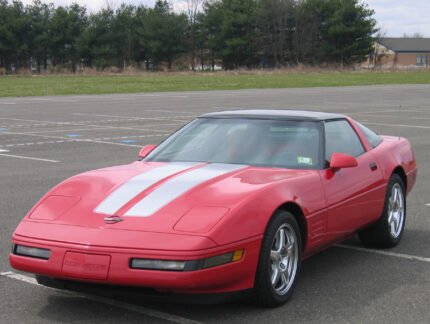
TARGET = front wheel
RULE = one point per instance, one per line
(388, 231)
(280, 260)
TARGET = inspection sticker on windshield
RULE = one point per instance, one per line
(304, 160)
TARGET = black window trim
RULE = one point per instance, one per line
(327, 163)
(360, 125)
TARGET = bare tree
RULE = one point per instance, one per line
(379, 52)
(193, 9)
(414, 35)
(307, 35)
(111, 4)
(276, 21)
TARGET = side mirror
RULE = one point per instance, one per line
(342, 161)
(144, 152)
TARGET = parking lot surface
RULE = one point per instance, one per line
(45, 140)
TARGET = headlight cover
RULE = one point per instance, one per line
(52, 207)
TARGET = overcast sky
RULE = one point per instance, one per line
(395, 17)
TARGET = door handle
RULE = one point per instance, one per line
(373, 166)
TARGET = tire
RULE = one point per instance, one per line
(277, 262)
(388, 231)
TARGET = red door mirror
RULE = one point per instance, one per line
(144, 152)
(342, 161)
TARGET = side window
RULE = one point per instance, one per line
(371, 136)
(341, 138)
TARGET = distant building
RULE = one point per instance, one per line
(401, 52)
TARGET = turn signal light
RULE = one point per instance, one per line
(237, 255)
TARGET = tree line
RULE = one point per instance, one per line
(230, 33)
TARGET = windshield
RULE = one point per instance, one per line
(276, 143)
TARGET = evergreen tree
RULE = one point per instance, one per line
(164, 33)
(238, 33)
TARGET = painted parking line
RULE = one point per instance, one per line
(36, 135)
(428, 205)
(19, 277)
(400, 125)
(129, 141)
(138, 118)
(104, 97)
(137, 128)
(386, 253)
(401, 110)
(133, 97)
(397, 117)
(37, 143)
(66, 130)
(29, 120)
(107, 301)
(71, 140)
(89, 123)
(55, 100)
(59, 123)
(75, 139)
(28, 158)
(174, 111)
(3, 151)
(112, 143)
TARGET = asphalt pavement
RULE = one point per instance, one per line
(45, 140)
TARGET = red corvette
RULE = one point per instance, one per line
(234, 201)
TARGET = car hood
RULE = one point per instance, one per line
(155, 197)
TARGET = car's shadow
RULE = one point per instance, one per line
(69, 309)
(335, 285)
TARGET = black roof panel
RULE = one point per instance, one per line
(274, 114)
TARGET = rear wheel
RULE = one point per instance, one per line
(280, 260)
(388, 231)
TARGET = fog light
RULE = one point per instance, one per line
(158, 264)
(32, 252)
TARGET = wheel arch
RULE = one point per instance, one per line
(297, 212)
(402, 174)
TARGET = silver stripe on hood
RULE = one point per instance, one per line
(130, 189)
(175, 187)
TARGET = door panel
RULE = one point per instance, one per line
(354, 196)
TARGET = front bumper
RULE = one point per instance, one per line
(111, 266)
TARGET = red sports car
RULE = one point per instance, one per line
(233, 201)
